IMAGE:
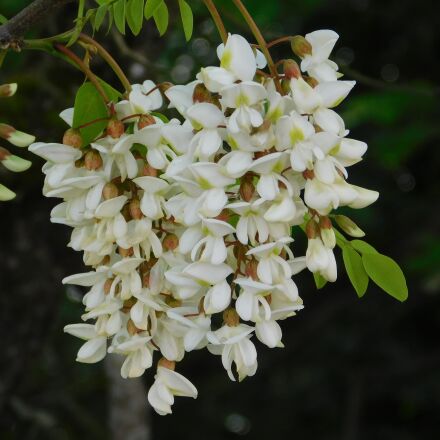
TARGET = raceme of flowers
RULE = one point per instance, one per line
(186, 225)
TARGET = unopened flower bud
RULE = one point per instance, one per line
(115, 128)
(251, 269)
(300, 46)
(148, 170)
(110, 191)
(291, 69)
(7, 90)
(247, 188)
(349, 226)
(145, 121)
(165, 363)
(327, 232)
(92, 160)
(73, 138)
(170, 242)
(312, 229)
(6, 194)
(308, 174)
(201, 93)
(15, 137)
(135, 209)
(13, 163)
(230, 317)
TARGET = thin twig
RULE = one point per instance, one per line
(217, 19)
(13, 31)
(108, 59)
(90, 75)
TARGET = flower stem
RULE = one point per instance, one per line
(108, 59)
(217, 19)
(85, 69)
(278, 41)
(260, 40)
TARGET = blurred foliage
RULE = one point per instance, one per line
(352, 368)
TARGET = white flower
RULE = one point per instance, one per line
(234, 345)
(317, 63)
(167, 384)
(95, 349)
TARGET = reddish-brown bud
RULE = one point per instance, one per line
(165, 363)
(247, 188)
(291, 69)
(135, 209)
(312, 229)
(73, 138)
(308, 174)
(146, 121)
(125, 253)
(110, 191)
(325, 222)
(230, 317)
(224, 215)
(201, 94)
(92, 160)
(115, 128)
(251, 269)
(170, 242)
(300, 46)
(148, 170)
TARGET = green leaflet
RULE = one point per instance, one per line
(161, 18)
(151, 7)
(187, 18)
(90, 106)
(135, 15)
(119, 12)
(100, 16)
(355, 270)
(387, 274)
(363, 247)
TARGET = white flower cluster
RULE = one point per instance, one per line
(188, 225)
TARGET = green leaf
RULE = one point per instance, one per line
(151, 7)
(100, 16)
(355, 270)
(161, 18)
(320, 281)
(387, 274)
(187, 18)
(3, 19)
(363, 247)
(119, 11)
(135, 15)
(90, 106)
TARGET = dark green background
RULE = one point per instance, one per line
(352, 369)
